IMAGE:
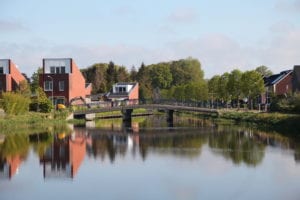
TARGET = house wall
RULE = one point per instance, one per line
(77, 83)
(134, 94)
(284, 86)
(11, 77)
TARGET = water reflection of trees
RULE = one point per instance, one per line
(240, 147)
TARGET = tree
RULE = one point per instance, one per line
(40, 102)
(123, 75)
(264, 71)
(111, 74)
(24, 88)
(133, 74)
(185, 71)
(234, 85)
(35, 79)
(252, 85)
(161, 76)
(213, 86)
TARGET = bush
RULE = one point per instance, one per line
(40, 103)
(288, 104)
(15, 104)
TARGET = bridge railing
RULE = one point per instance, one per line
(121, 103)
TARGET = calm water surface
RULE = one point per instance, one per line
(150, 159)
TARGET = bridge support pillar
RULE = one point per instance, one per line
(127, 115)
(170, 116)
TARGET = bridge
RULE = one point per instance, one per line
(127, 108)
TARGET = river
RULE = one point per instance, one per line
(150, 158)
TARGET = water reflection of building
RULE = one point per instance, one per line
(9, 166)
(64, 157)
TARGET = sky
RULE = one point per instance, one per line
(222, 35)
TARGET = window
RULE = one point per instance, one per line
(61, 85)
(121, 89)
(48, 85)
(57, 70)
(1, 70)
(52, 70)
(62, 70)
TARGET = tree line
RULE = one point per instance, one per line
(180, 80)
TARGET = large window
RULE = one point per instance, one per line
(48, 85)
(61, 85)
(1, 70)
(52, 70)
(58, 70)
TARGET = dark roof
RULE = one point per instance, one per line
(275, 78)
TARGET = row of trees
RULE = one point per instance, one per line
(181, 80)
(236, 86)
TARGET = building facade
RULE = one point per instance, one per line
(10, 76)
(63, 82)
(124, 92)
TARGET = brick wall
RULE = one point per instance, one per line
(284, 86)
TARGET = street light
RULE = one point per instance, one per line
(52, 90)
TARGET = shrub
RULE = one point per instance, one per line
(15, 104)
(40, 102)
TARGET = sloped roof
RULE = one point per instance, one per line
(275, 78)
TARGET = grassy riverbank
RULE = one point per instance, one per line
(32, 122)
(284, 123)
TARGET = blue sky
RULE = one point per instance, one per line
(223, 35)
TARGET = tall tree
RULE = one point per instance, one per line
(35, 80)
(264, 71)
(133, 73)
(161, 76)
(122, 74)
(252, 85)
(234, 85)
(111, 75)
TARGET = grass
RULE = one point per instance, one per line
(31, 122)
(280, 122)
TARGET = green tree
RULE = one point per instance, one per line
(222, 89)
(213, 87)
(133, 74)
(185, 71)
(161, 76)
(96, 74)
(111, 75)
(123, 75)
(41, 103)
(35, 79)
(252, 85)
(264, 70)
(24, 89)
(234, 85)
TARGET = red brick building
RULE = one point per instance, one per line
(62, 81)
(10, 76)
(278, 84)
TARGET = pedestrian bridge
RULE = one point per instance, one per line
(126, 110)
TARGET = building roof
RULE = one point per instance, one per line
(275, 78)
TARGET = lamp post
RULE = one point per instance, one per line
(52, 90)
